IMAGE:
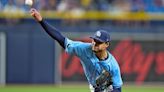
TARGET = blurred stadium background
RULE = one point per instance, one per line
(31, 61)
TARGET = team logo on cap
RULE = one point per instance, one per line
(98, 33)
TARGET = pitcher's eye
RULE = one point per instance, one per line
(97, 42)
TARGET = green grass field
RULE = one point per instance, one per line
(74, 88)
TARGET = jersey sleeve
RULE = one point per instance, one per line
(53, 32)
(75, 47)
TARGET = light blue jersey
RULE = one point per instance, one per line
(91, 64)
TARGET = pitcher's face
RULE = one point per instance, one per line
(98, 46)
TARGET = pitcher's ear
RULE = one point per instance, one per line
(108, 43)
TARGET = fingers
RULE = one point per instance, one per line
(32, 9)
(33, 12)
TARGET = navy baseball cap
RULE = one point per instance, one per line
(102, 36)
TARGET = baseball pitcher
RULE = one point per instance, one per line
(100, 67)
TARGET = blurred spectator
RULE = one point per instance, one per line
(51, 5)
(154, 5)
(15, 6)
(102, 5)
(48, 4)
(0, 6)
(20, 5)
(120, 7)
(85, 4)
(71, 9)
(137, 5)
(66, 5)
(3, 3)
(74, 9)
(42, 5)
(10, 6)
(158, 5)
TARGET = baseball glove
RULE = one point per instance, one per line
(103, 81)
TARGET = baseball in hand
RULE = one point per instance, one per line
(28, 2)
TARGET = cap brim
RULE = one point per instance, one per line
(93, 37)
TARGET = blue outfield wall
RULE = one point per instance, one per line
(30, 51)
(30, 54)
(29, 58)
